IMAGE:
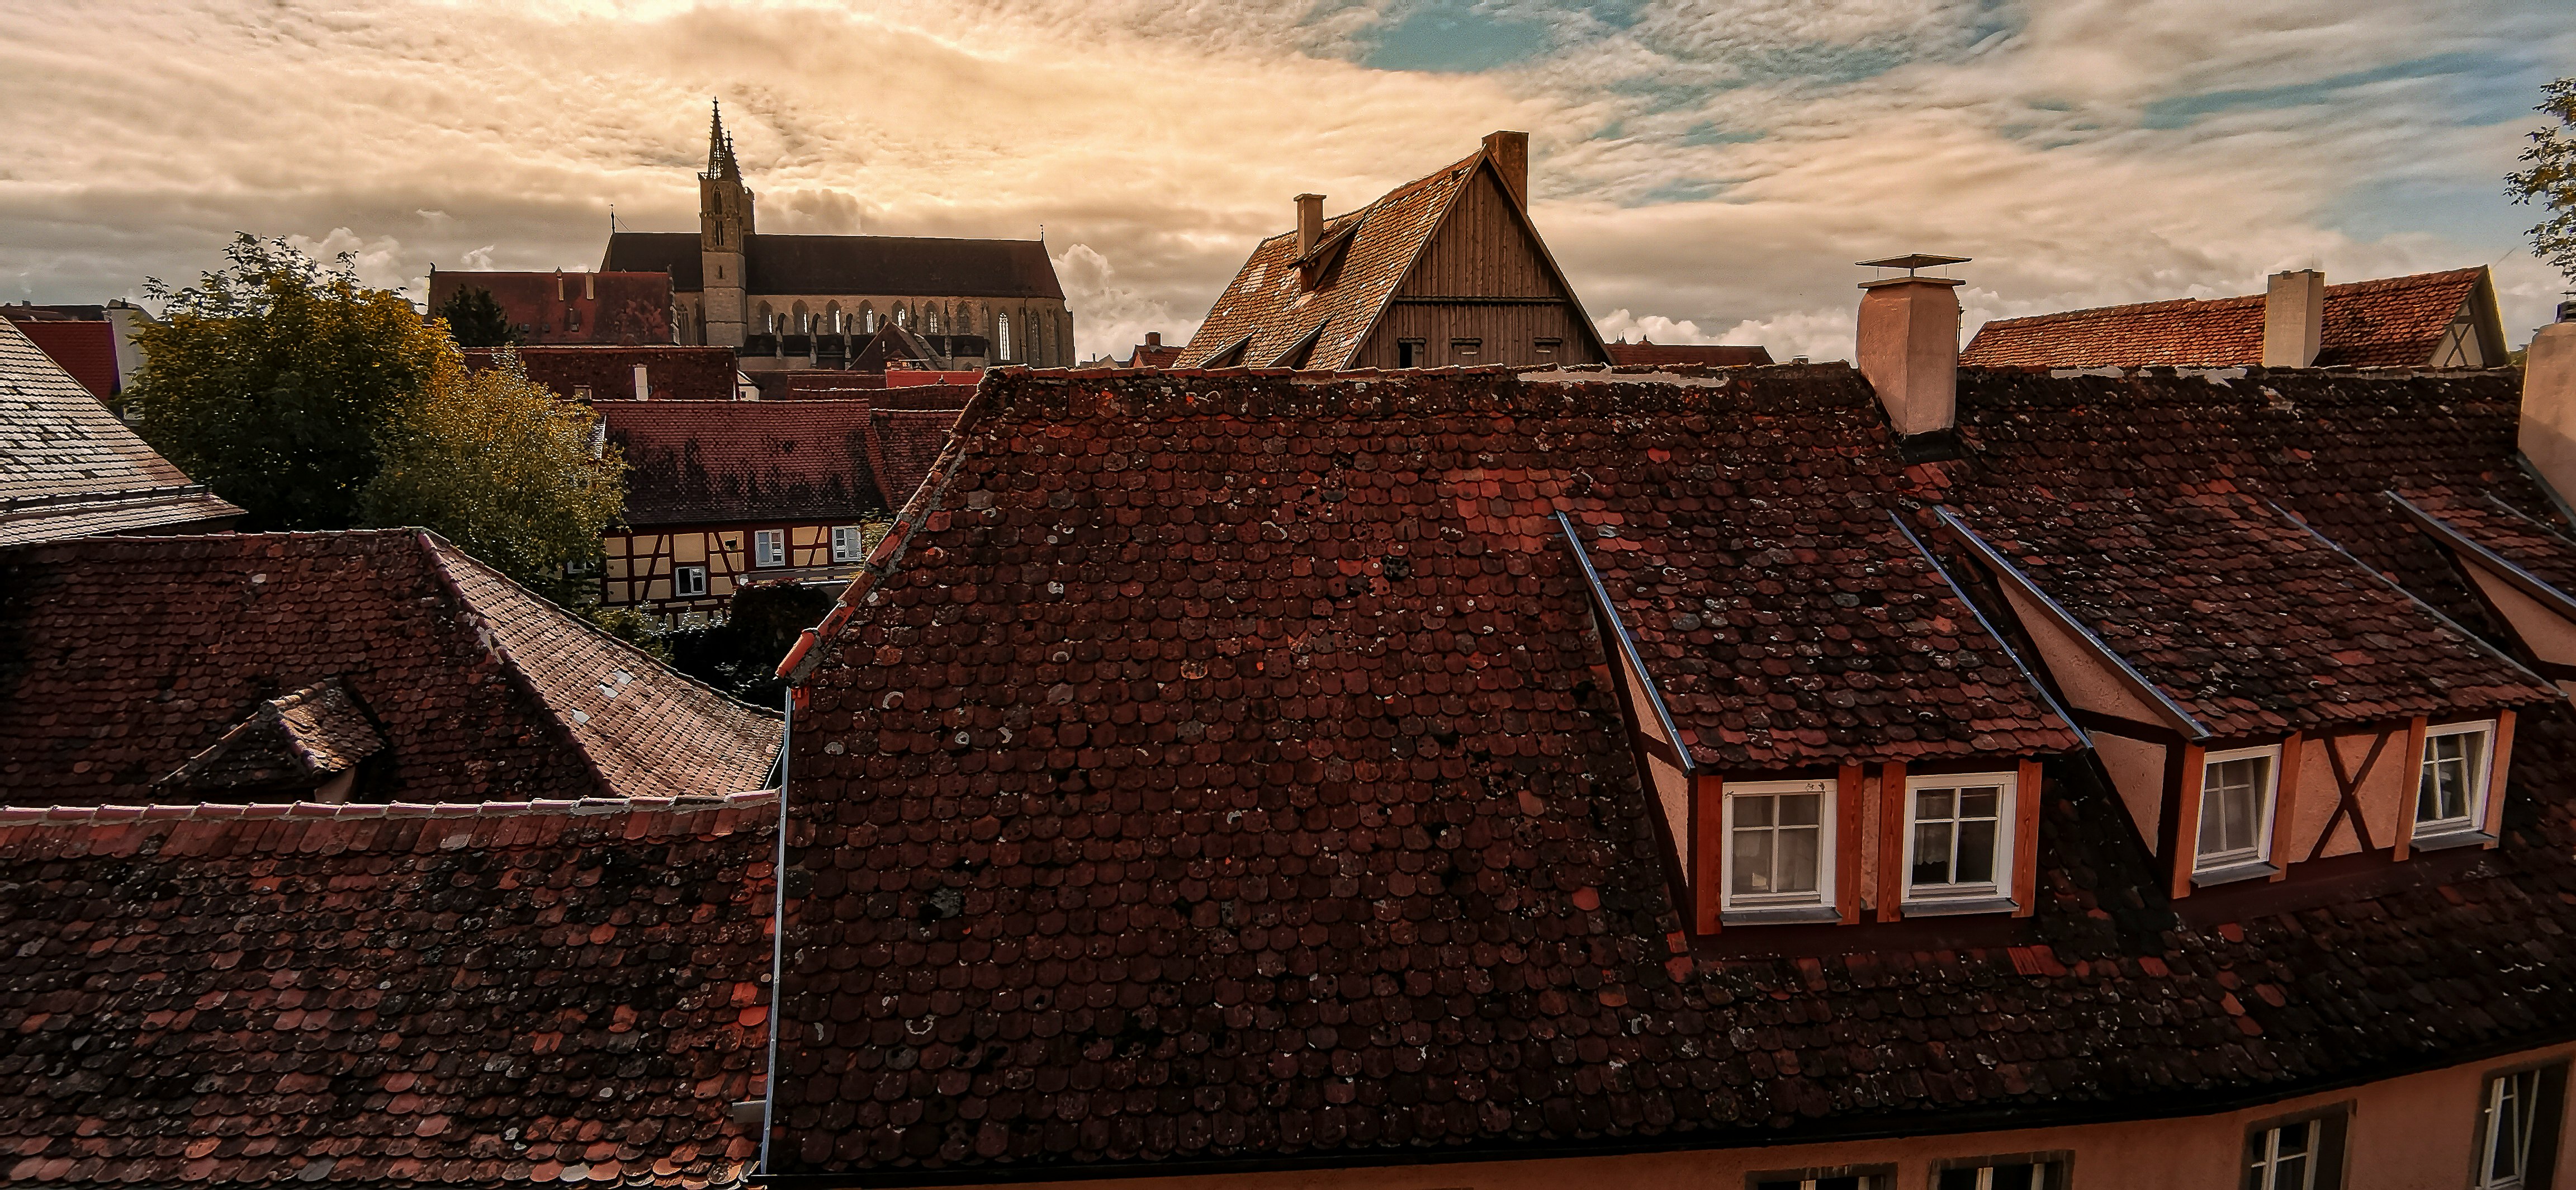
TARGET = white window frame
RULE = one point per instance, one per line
(688, 582)
(849, 543)
(769, 547)
(2201, 862)
(2007, 815)
(1823, 896)
(2267, 1162)
(2481, 781)
(2526, 1087)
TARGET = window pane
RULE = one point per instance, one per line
(1753, 811)
(1752, 860)
(1799, 849)
(1932, 803)
(2231, 804)
(1801, 809)
(2016, 1177)
(1979, 803)
(1977, 852)
(1932, 853)
(1957, 1179)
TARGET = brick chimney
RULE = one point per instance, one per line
(1310, 222)
(2294, 312)
(1153, 338)
(1908, 344)
(2548, 431)
(1509, 151)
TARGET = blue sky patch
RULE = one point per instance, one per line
(1446, 36)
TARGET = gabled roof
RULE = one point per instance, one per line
(68, 468)
(830, 266)
(2496, 533)
(630, 308)
(2393, 322)
(711, 462)
(133, 655)
(86, 349)
(296, 741)
(414, 996)
(1361, 259)
(2227, 536)
(1711, 354)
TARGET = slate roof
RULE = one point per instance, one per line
(2393, 322)
(491, 995)
(68, 468)
(700, 463)
(1715, 355)
(830, 265)
(129, 656)
(1384, 238)
(85, 348)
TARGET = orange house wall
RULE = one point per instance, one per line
(2410, 1133)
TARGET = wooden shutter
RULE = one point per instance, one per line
(2329, 1147)
(2540, 1169)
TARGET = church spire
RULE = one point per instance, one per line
(720, 160)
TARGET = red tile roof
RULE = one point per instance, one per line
(902, 444)
(1714, 355)
(136, 654)
(499, 995)
(672, 373)
(68, 468)
(700, 462)
(631, 308)
(85, 349)
(292, 743)
(2166, 513)
(2389, 323)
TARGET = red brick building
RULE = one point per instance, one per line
(603, 373)
(627, 308)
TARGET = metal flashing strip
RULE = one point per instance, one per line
(2027, 673)
(1627, 646)
(2475, 641)
(2191, 727)
(2450, 535)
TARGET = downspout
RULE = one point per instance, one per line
(777, 936)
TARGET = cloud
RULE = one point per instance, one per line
(1711, 168)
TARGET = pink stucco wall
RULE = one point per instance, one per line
(2137, 771)
(2410, 1133)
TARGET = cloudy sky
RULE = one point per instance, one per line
(1703, 171)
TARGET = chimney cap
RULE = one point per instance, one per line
(1914, 260)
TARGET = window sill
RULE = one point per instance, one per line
(1773, 915)
(2249, 870)
(2466, 836)
(1952, 906)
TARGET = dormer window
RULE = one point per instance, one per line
(2451, 788)
(2237, 790)
(1779, 854)
(1958, 852)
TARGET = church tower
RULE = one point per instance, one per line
(724, 235)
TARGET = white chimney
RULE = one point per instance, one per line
(643, 384)
(2294, 312)
(1310, 222)
(589, 292)
(2548, 431)
(1908, 343)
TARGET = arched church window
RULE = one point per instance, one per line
(832, 320)
(1002, 337)
(934, 320)
(868, 317)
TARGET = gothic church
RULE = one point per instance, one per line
(784, 300)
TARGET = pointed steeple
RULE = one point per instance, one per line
(720, 160)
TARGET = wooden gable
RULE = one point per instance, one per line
(1484, 277)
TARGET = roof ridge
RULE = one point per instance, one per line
(115, 815)
(2407, 281)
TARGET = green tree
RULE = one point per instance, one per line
(475, 319)
(494, 463)
(2551, 180)
(271, 378)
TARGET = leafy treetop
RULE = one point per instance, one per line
(2551, 180)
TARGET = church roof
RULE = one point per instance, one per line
(824, 264)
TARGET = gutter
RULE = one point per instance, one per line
(777, 938)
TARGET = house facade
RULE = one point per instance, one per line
(1444, 271)
(628, 308)
(726, 495)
